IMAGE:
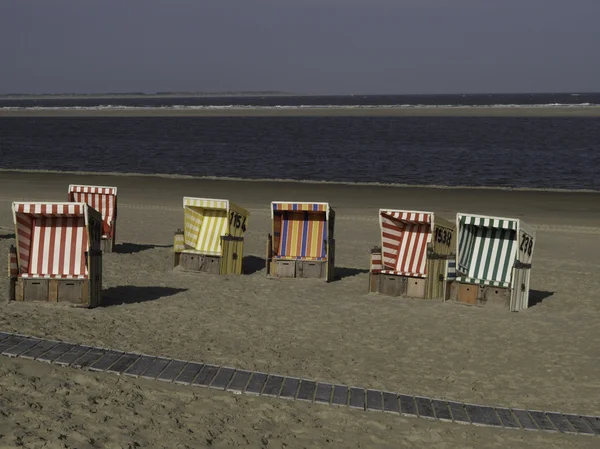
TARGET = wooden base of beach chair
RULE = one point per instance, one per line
(11, 288)
(316, 269)
(391, 285)
(78, 292)
(200, 263)
(472, 294)
(106, 245)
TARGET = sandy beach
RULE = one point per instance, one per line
(413, 111)
(544, 358)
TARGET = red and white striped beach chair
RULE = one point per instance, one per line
(57, 256)
(413, 258)
(302, 243)
(104, 200)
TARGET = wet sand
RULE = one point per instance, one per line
(314, 112)
(544, 358)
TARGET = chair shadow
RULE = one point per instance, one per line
(345, 272)
(7, 236)
(130, 248)
(253, 264)
(538, 296)
(129, 294)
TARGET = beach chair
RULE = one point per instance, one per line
(57, 257)
(493, 261)
(212, 240)
(104, 200)
(302, 243)
(416, 256)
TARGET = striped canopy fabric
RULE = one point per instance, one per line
(103, 199)
(203, 229)
(404, 242)
(300, 235)
(52, 239)
(486, 254)
(206, 203)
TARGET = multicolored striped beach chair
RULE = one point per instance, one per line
(104, 200)
(57, 256)
(493, 261)
(415, 256)
(302, 242)
(213, 237)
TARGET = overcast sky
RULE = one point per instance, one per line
(301, 46)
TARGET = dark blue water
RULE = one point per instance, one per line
(549, 152)
(306, 100)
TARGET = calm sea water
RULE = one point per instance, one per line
(548, 152)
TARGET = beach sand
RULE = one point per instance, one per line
(544, 358)
(413, 111)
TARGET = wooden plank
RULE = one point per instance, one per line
(189, 373)
(88, 358)
(507, 418)
(106, 361)
(21, 347)
(124, 362)
(53, 290)
(407, 405)
(340, 395)
(155, 368)
(524, 419)
(323, 393)
(390, 402)
(482, 415)
(357, 398)
(171, 371)
(239, 381)
(206, 375)
(10, 342)
(459, 414)
(273, 386)
(54, 353)
(139, 366)
(579, 424)
(39, 350)
(560, 422)
(71, 356)
(593, 422)
(307, 390)
(441, 409)
(542, 420)
(256, 383)
(289, 388)
(374, 400)
(424, 407)
(222, 378)
(20, 290)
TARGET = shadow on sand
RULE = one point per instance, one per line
(537, 296)
(130, 248)
(129, 294)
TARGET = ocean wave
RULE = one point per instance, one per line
(181, 107)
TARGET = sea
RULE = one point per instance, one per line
(554, 152)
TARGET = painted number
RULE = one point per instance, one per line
(526, 244)
(443, 236)
(237, 221)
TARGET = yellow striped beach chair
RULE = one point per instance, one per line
(493, 261)
(212, 239)
(301, 243)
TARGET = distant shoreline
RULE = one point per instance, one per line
(413, 111)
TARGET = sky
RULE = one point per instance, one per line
(300, 46)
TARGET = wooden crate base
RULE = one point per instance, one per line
(315, 269)
(478, 295)
(200, 263)
(399, 286)
(72, 291)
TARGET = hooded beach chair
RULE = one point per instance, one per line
(57, 255)
(416, 257)
(493, 261)
(213, 236)
(104, 200)
(302, 242)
